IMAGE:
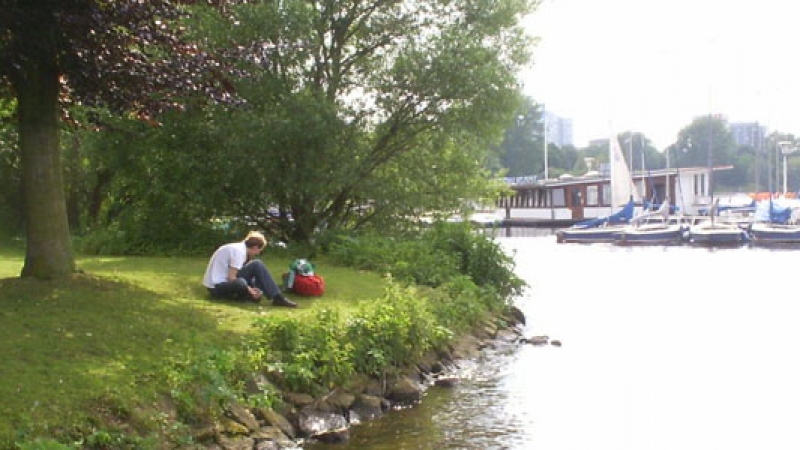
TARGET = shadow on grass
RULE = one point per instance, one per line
(67, 343)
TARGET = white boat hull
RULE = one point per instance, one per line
(769, 233)
(717, 234)
(650, 235)
(587, 235)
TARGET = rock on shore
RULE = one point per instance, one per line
(329, 417)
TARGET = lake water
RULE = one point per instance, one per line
(674, 348)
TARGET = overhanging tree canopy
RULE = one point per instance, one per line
(125, 54)
(367, 110)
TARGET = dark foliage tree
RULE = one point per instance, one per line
(127, 55)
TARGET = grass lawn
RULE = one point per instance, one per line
(103, 334)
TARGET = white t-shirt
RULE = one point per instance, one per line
(229, 255)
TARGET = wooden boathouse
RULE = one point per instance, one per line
(570, 199)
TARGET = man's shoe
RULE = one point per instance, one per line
(280, 300)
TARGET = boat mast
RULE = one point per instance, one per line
(711, 169)
(544, 134)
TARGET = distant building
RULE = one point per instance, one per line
(749, 134)
(559, 130)
(569, 199)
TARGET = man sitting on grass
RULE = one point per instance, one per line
(233, 273)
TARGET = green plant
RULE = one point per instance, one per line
(459, 304)
(203, 382)
(305, 356)
(43, 444)
(103, 439)
(392, 332)
(154, 234)
(433, 257)
(481, 258)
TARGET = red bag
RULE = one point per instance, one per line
(312, 285)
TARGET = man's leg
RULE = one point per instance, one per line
(256, 273)
(236, 289)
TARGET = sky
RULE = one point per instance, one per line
(652, 66)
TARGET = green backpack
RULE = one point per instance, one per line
(299, 267)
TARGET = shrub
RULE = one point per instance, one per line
(43, 444)
(458, 304)
(303, 357)
(390, 332)
(480, 257)
(203, 382)
(394, 331)
(170, 239)
(434, 257)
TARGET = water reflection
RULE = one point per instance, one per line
(675, 348)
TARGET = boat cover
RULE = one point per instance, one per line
(775, 211)
(620, 217)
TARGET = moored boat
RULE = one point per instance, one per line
(712, 231)
(763, 233)
(653, 228)
(741, 216)
(716, 234)
(776, 224)
(603, 234)
(651, 234)
(601, 230)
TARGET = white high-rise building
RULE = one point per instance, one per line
(749, 134)
(559, 130)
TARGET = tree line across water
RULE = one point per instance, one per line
(755, 167)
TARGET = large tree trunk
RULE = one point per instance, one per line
(49, 250)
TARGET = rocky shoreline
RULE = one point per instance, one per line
(328, 418)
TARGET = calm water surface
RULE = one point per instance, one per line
(672, 348)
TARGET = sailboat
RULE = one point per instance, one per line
(715, 233)
(657, 227)
(712, 231)
(775, 224)
(623, 193)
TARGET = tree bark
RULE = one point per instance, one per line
(49, 249)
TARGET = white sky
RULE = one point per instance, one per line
(652, 66)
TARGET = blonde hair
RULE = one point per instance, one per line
(255, 239)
